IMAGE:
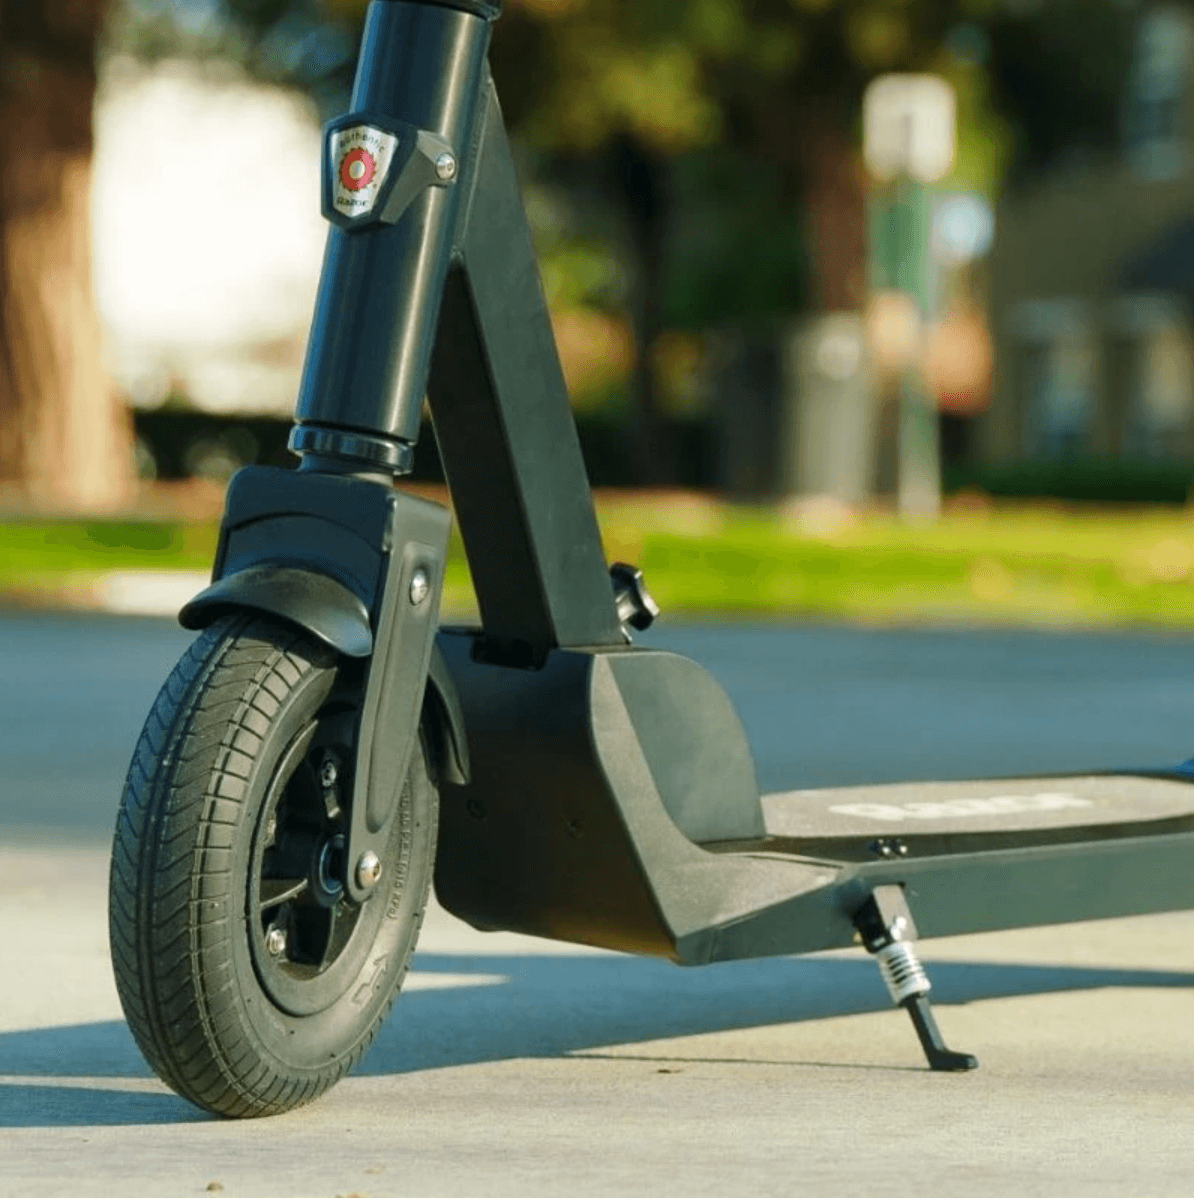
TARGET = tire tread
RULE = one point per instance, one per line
(183, 800)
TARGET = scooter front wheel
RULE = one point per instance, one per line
(249, 978)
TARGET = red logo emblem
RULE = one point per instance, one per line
(357, 169)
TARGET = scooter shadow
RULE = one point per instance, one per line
(551, 1006)
(468, 1009)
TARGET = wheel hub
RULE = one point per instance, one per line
(308, 939)
(327, 882)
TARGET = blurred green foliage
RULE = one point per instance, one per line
(1103, 480)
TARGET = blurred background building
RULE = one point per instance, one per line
(1092, 276)
(705, 221)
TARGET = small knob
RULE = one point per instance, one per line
(635, 605)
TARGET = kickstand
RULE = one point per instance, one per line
(887, 929)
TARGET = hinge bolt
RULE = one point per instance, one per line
(420, 587)
(445, 166)
(368, 869)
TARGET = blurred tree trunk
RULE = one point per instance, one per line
(641, 179)
(65, 439)
(834, 187)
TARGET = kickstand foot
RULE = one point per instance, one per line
(887, 930)
(940, 1056)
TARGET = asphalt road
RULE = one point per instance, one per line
(823, 706)
(521, 1067)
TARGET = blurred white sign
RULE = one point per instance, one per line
(908, 127)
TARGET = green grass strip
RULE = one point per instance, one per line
(1022, 565)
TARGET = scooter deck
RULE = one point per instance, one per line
(1096, 837)
(858, 824)
(978, 856)
(612, 802)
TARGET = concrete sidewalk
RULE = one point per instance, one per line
(519, 1067)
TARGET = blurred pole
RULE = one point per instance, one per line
(908, 129)
(919, 459)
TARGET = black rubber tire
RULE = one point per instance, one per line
(220, 786)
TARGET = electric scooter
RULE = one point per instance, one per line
(324, 748)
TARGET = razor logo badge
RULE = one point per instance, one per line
(360, 158)
(996, 805)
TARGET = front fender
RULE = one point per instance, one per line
(325, 608)
(329, 611)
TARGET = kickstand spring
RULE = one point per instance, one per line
(888, 932)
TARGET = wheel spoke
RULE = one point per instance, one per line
(341, 922)
(278, 890)
(290, 858)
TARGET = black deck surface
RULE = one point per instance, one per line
(1001, 805)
